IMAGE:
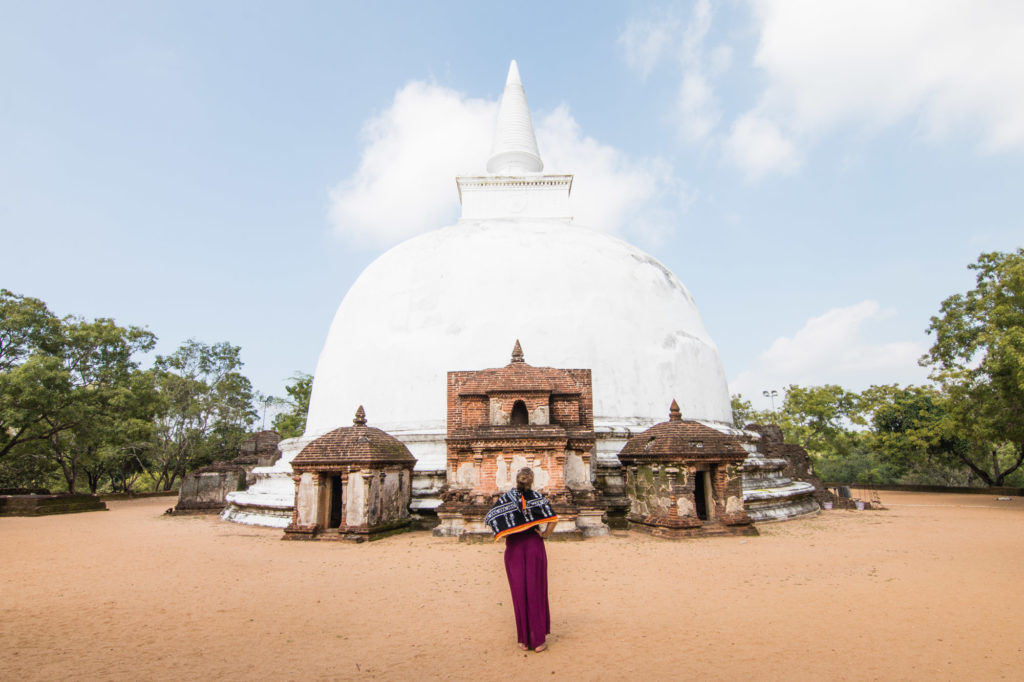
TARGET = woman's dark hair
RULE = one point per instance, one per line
(524, 479)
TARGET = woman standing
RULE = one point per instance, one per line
(517, 516)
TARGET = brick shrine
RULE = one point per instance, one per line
(685, 479)
(352, 483)
(502, 419)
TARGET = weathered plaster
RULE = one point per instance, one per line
(577, 473)
(540, 415)
(466, 475)
(305, 499)
(498, 416)
(355, 496)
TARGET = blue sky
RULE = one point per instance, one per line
(819, 175)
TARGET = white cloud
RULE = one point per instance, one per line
(696, 31)
(720, 59)
(838, 347)
(946, 66)
(645, 42)
(757, 146)
(698, 106)
(413, 150)
(699, 115)
(610, 190)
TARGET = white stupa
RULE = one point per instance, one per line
(515, 266)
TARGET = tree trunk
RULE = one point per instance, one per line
(67, 466)
(978, 471)
(70, 475)
(1016, 465)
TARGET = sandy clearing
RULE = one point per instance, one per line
(931, 588)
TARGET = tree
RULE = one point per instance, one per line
(292, 423)
(26, 325)
(61, 381)
(31, 383)
(96, 367)
(205, 405)
(817, 418)
(743, 413)
(910, 434)
(978, 359)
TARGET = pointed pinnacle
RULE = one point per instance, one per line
(514, 151)
(517, 352)
(513, 74)
(360, 419)
(674, 415)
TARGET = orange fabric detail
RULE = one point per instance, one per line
(531, 524)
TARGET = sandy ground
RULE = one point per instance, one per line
(931, 588)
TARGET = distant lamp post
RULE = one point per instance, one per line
(267, 400)
(771, 395)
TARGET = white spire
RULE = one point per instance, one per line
(515, 146)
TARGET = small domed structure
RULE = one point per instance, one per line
(683, 478)
(352, 483)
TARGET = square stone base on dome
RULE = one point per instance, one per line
(353, 483)
(684, 479)
(501, 420)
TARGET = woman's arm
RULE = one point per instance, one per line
(548, 530)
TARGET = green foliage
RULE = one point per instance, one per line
(204, 408)
(75, 406)
(31, 384)
(978, 360)
(743, 411)
(292, 423)
(62, 383)
(28, 468)
(858, 464)
(98, 359)
(820, 418)
(908, 428)
(26, 325)
(886, 434)
(968, 427)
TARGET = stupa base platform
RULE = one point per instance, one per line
(693, 531)
(254, 511)
(347, 534)
(780, 504)
(469, 526)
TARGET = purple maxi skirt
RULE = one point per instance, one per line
(526, 564)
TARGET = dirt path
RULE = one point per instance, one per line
(931, 588)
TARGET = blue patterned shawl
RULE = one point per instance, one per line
(514, 512)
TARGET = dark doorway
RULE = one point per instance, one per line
(700, 497)
(334, 521)
(519, 414)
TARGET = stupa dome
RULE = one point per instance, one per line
(515, 266)
(456, 298)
